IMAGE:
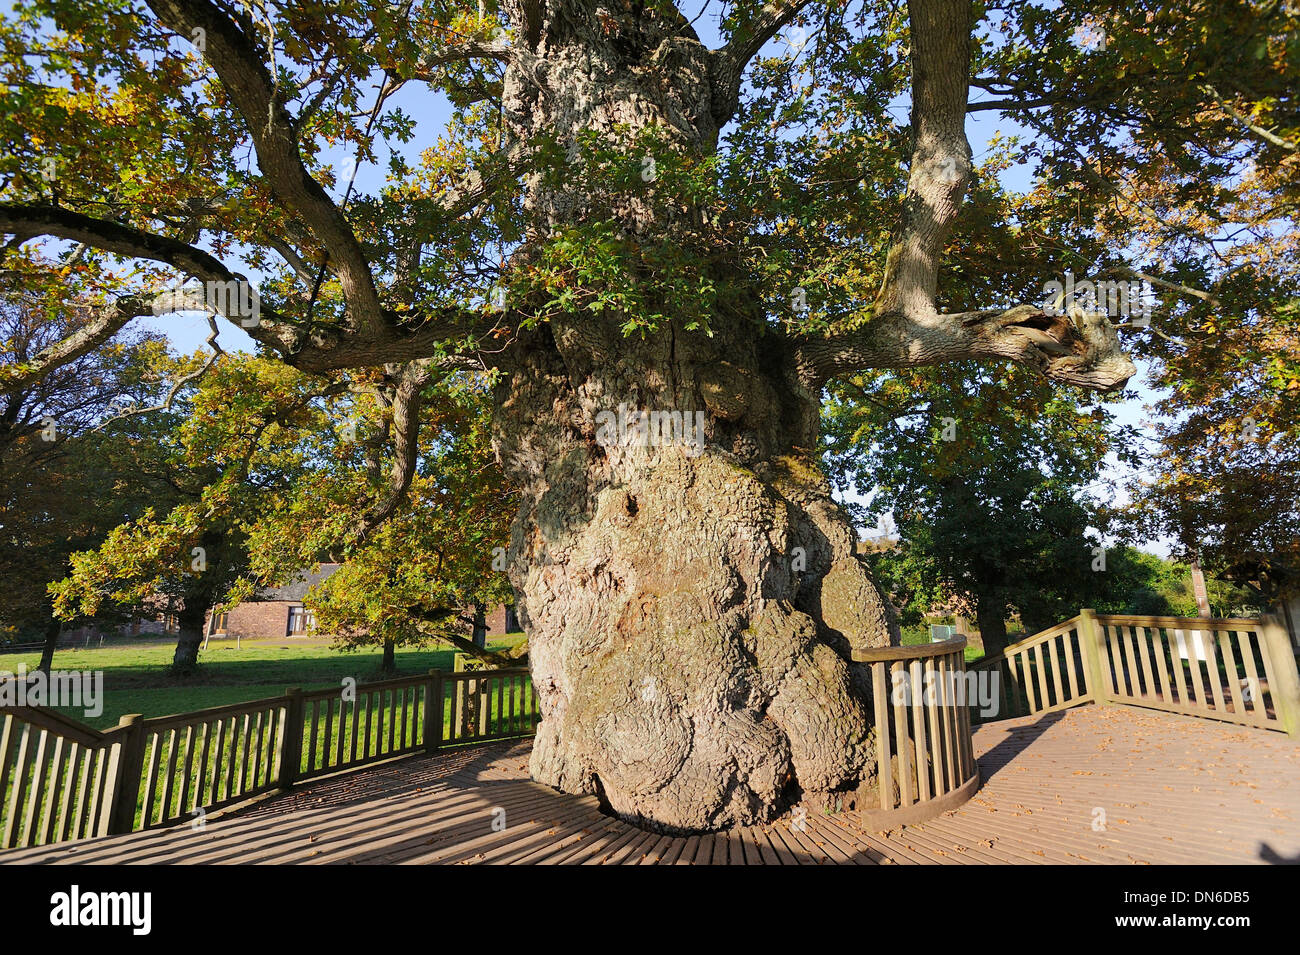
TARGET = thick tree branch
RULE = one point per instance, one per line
(406, 434)
(318, 350)
(906, 327)
(437, 624)
(729, 62)
(242, 72)
(941, 163)
(1080, 348)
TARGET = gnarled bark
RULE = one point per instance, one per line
(690, 615)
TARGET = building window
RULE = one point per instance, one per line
(220, 626)
(512, 620)
(301, 620)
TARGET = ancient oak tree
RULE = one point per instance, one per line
(597, 230)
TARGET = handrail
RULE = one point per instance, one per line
(1182, 623)
(916, 651)
(207, 715)
(61, 779)
(1026, 642)
(925, 763)
(57, 722)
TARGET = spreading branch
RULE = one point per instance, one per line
(729, 62)
(239, 65)
(906, 327)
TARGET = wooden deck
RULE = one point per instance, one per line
(1173, 789)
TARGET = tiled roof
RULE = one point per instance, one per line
(298, 587)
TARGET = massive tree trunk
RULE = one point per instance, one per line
(691, 598)
(190, 619)
(690, 615)
(991, 617)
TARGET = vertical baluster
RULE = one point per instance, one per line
(1233, 675)
(1027, 683)
(393, 742)
(214, 775)
(85, 780)
(97, 817)
(169, 774)
(918, 707)
(257, 752)
(1055, 661)
(311, 740)
(884, 764)
(10, 731)
(1140, 634)
(1257, 711)
(36, 798)
(933, 707)
(182, 806)
(1176, 664)
(245, 753)
(1119, 681)
(896, 673)
(22, 764)
(154, 742)
(1212, 670)
(62, 830)
(1162, 671)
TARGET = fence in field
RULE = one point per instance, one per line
(61, 780)
(1235, 670)
(924, 761)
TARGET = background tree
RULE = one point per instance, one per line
(432, 568)
(64, 482)
(236, 436)
(622, 211)
(988, 477)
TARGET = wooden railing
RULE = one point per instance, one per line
(924, 761)
(1239, 671)
(61, 780)
(1236, 670)
(1045, 672)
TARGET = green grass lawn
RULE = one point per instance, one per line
(136, 677)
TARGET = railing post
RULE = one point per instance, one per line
(1096, 660)
(1286, 695)
(290, 766)
(126, 758)
(433, 712)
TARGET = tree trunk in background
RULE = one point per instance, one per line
(190, 619)
(479, 636)
(993, 628)
(52, 631)
(389, 664)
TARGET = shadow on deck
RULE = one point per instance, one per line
(1086, 785)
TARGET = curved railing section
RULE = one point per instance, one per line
(925, 764)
